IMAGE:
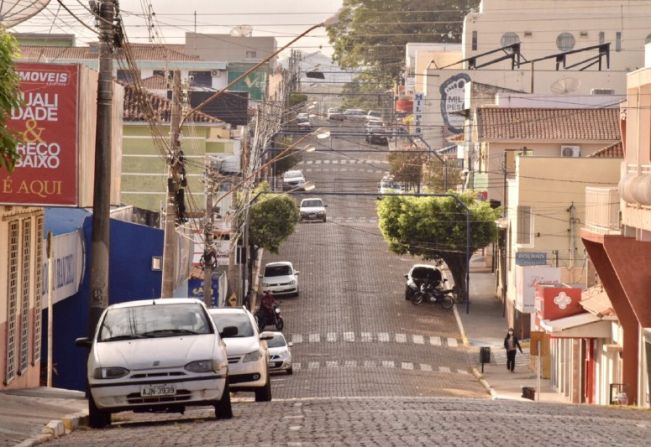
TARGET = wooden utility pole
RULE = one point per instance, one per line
(100, 240)
(173, 186)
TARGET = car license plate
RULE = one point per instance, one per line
(157, 390)
(312, 215)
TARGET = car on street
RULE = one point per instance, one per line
(355, 114)
(156, 355)
(312, 209)
(335, 114)
(374, 115)
(280, 356)
(423, 272)
(389, 186)
(293, 180)
(302, 116)
(248, 357)
(280, 278)
(376, 133)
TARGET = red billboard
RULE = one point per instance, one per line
(46, 123)
(553, 303)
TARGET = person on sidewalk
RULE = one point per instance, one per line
(511, 344)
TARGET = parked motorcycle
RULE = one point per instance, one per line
(266, 318)
(428, 292)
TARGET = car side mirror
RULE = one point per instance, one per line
(406, 275)
(266, 336)
(229, 331)
(296, 272)
(83, 342)
(325, 206)
(290, 344)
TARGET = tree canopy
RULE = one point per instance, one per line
(273, 219)
(373, 33)
(9, 98)
(435, 228)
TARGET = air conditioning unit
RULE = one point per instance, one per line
(215, 73)
(570, 151)
(602, 91)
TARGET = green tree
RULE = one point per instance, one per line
(273, 218)
(9, 98)
(407, 169)
(435, 173)
(435, 228)
(373, 33)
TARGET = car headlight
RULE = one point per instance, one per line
(110, 372)
(252, 356)
(293, 282)
(204, 366)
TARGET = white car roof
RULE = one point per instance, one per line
(312, 198)
(227, 310)
(273, 264)
(157, 301)
(293, 173)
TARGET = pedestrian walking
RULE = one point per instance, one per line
(511, 344)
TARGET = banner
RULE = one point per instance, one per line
(68, 265)
(46, 124)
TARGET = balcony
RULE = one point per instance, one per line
(602, 210)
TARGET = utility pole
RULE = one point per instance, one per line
(100, 240)
(173, 187)
(208, 232)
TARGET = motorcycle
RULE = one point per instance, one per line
(266, 318)
(432, 293)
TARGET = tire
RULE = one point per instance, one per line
(446, 302)
(97, 418)
(280, 323)
(417, 299)
(264, 394)
(325, 219)
(223, 407)
(290, 371)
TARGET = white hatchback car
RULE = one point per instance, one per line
(280, 278)
(312, 209)
(293, 180)
(156, 355)
(280, 357)
(248, 359)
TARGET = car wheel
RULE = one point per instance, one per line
(408, 293)
(223, 407)
(325, 219)
(290, 371)
(97, 418)
(264, 394)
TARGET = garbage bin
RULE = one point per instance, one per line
(529, 392)
(485, 354)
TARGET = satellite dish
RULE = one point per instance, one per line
(564, 86)
(13, 12)
(242, 31)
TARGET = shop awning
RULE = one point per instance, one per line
(585, 325)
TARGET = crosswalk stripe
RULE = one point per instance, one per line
(309, 162)
(425, 367)
(332, 364)
(444, 369)
(369, 364)
(366, 337)
(297, 338)
(388, 364)
(350, 364)
(407, 365)
(452, 342)
(462, 371)
(334, 162)
(331, 337)
(401, 338)
(326, 161)
(383, 337)
(313, 365)
(435, 340)
(349, 336)
(296, 366)
(314, 338)
(418, 339)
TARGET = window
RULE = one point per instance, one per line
(474, 41)
(251, 54)
(128, 75)
(12, 302)
(565, 41)
(648, 39)
(26, 262)
(602, 37)
(525, 223)
(618, 41)
(200, 79)
(509, 39)
(38, 293)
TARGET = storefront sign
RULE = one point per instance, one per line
(453, 92)
(419, 103)
(46, 124)
(526, 281)
(530, 258)
(553, 303)
(68, 266)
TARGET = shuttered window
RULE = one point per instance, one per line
(524, 225)
(12, 302)
(26, 263)
(38, 292)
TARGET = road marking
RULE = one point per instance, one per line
(308, 170)
(295, 427)
(296, 366)
(332, 364)
(313, 365)
(343, 169)
(366, 337)
(425, 367)
(388, 364)
(369, 364)
(350, 364)
(435, 341)
(418, 339)
(444, 369)
(309, 162)
(401, 338)
(383, 337)
(452, 342)
(334, 162)
(326, 161)
(297, 338)
(407, 365)
(314, 338)
(331, 337)
(349, 336)
(317, 162)
(462, 371)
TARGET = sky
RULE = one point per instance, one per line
(283, 19)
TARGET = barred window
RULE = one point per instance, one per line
(524, 225)
(12, 302)
(24, 299)
(38, 292)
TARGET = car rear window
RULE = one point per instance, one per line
(311, 203)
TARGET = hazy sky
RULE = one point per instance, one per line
(280, 18)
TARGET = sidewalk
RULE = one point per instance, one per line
(485, 326)
(31, 416)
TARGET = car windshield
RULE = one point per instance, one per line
(426, 273)
(375, 114)
(278, 270)
(277, 342)
(152, 321)
(311, 203)
(240, 320)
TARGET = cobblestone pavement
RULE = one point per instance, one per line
(382, 422)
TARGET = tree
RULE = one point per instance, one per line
(9, 99)
(435, 228)
(407, 169)
(273, 218)
(373, 33)
(435, 173)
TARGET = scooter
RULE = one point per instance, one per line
(428, 292)
(276, 319)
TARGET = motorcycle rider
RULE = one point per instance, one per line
(267, 304)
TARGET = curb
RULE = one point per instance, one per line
(462, 331)
(57, 428)
(489, 389)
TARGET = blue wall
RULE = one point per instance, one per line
(131, 278)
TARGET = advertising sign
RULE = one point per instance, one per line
(68, 266)
(553, 303)
(419, 103)
(530, 258)
(526, 281)
(46, 124)
(254, 83)
(453, 92)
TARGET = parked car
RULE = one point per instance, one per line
(312, 209)
(389, 186)
(421, 272)
(248, 358)
(280, 357)
(304, 127)
(293, 180)
(280, 278)
(335, 113)
(374, 115)
(355, 114)
(156, 355)
(302, 116)
(377, 135)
